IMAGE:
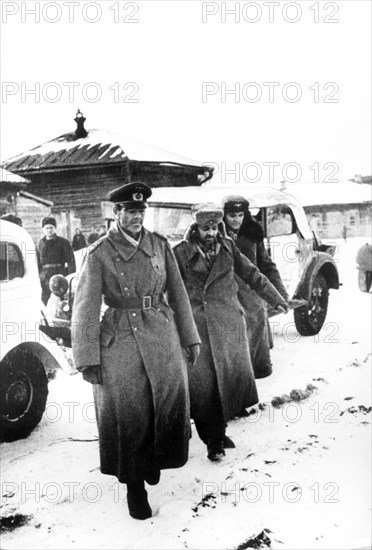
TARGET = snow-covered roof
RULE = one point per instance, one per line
(99, 146)
(35, 198)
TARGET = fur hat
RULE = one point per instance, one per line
(48, 220)
(207, 214)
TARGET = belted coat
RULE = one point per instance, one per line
(142, 405)
(223, 370)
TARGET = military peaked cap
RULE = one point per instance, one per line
(131, 195)
(234, 203)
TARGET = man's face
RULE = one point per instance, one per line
(234, 220)
(49, 230)
(130, 219)
(208, 233)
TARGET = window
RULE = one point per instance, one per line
(279, 221)
(11, 263)
(169, 221)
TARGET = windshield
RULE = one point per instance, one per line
(172, 222)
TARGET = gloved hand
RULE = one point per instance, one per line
(193, 352)
(283, 307)
(92, 374)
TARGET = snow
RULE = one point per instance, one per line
(128, 147)
(315, 454)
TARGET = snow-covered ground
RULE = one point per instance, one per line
(299, 476)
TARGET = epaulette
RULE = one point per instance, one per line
(96, 244)
(160, 235)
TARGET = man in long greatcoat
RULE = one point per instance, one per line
(134, 354)
(222, 382)
(248, 236)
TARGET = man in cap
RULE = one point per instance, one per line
(54, 254)
(248, 236)
(134, 355)
(223, 381)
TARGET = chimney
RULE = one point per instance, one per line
(80, 131)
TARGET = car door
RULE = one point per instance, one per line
(283, 243)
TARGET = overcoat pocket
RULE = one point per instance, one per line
(107, 339)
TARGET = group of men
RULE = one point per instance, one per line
(173, 343)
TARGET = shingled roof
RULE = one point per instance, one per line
(92, 147)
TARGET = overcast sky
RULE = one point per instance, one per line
(301, 72)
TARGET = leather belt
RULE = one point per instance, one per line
(52, 265)
(146, 302)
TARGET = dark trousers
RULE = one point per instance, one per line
(208, 432)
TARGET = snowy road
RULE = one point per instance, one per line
(301, 471)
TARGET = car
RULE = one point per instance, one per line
(28, 357)
(306, 265)
(364, 266)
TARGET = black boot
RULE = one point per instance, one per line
(228, 443)
(152, 476)
(138, 505)
(215, 449)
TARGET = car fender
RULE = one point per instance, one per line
(49, 353)
(320, 263)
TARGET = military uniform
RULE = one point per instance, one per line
(55, 256)
(249, 240)
(142, 404)
(222, 382)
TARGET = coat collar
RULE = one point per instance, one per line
(219, 266)
(124, 248)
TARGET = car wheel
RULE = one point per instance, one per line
(364, 280)
(309, 319)
(23, 394)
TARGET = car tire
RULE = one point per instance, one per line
(23, 394)
(364, 280)
(309, 319)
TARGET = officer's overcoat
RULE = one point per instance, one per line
(224, 366)
(142, 406)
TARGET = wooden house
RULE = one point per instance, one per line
(14, 199)
(76, 170)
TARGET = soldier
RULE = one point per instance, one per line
(55, 256)
(223, 381)
(248, 237)
(133, 356)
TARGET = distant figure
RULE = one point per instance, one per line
(93, 237)
(344, 232)
(12, 218)
(54, 255)
(78, 240)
